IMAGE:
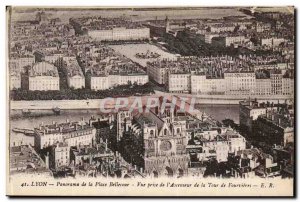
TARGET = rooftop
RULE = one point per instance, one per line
(66, 127)
(43, 69)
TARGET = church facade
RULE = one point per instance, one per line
(157, 140)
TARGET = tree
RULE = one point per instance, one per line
(211, 168)
(230, 123)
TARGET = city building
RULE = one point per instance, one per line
(103, 82)
(59, 155)
(75, 77)
(23, 159)
(208, 37)
(240, 82)
(100, 82)
(112, 29)
(43, 76)
(276, 82)
(90, 154)
(200, 84)
(275, 127)
(288, 83)
(217, 28)
(250, 110)
(271, 41)
(104, 69)
(228, 40)
(15, 81)
(49, 54)
(214, 143)
(263, 86)
(120, 34)
(158, 72)
(179, 83)
(262, 27)
(252, 162)
(72, 133)
(18, 62)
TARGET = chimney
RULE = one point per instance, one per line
(106, 145)
(47, 160)
(91, 158)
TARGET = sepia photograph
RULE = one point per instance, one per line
(150, 101)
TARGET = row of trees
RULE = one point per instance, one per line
(188, 44)
(79, 94)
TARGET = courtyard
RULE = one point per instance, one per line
(131, 51)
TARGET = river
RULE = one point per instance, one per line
(218, 112)
(137, 15)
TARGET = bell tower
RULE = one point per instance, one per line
(167, 24)
(165, 151)
(123, 123)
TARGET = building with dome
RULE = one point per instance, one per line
(43, 76)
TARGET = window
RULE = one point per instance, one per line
(151, 132)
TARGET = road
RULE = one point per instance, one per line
(111, 103)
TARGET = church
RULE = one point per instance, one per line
(154, 141)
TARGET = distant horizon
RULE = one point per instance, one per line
(139, 8)
(141, 13)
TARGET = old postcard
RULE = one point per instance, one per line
(170, 101)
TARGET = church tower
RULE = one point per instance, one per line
(123, 123)
(165, 150)
(167, 24)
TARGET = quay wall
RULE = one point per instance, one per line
(95, 103)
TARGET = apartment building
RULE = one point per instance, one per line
(43, 76)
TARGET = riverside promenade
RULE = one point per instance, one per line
(230, 99)
(111, 103)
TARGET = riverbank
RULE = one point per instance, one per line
(228, 99)
(95, 103)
